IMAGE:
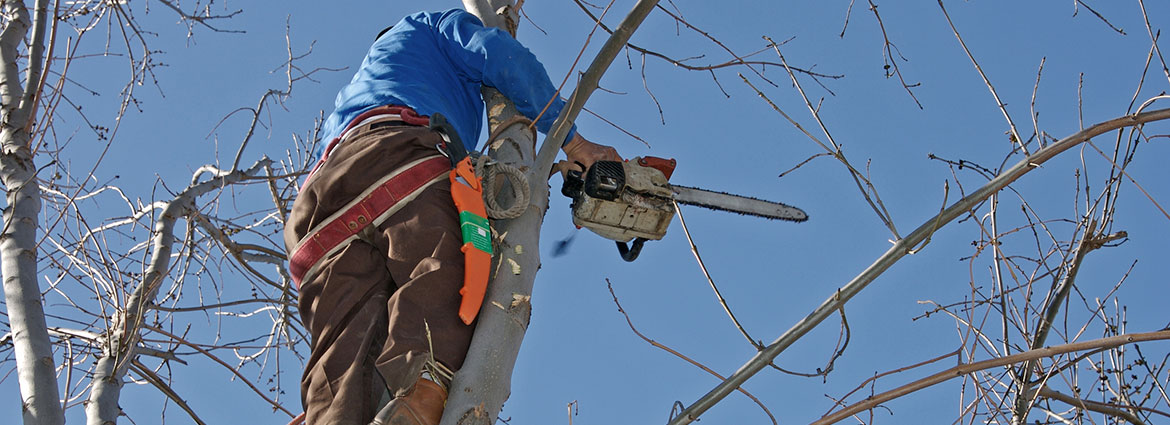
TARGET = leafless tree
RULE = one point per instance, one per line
(1031, 260)
(1010, 373)
(130, 276)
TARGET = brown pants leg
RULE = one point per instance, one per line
(369, 306)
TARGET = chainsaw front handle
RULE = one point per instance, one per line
(630, 252)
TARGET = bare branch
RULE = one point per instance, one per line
(159, 383)
(682, 63)
(1106, 408)
(121, 343)
(204, 20)
(589, 81)
(1154, 40)
(680, 355)
(903, 247)
(1132, 180)
(888, 55)
(969, 368)
(695, 251)
(868, 191)
(1098, 15)
(1015, 135)
(235, 370)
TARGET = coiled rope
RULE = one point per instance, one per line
(490, 171)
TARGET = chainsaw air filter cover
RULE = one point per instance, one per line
(624, 200)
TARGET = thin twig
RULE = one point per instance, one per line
(842, 344)
(1015, 135)
(868, 191)
(1099, 16)
(888, 55)
(576, 60)
(874, 378)
(1061, 286)
(1032, 106)
(1132, 180)
(848, 13)
(619, 128)
(1154, 39)
(680, 355)
(203, 20)
(682, 63)
(802, 163)
(162, 386)
(233, 369)
(695, 250)
(1105, 408)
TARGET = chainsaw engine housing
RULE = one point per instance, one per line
(622, 200)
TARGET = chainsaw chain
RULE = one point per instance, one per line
(752, 214)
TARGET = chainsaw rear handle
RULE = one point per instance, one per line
(630, 252)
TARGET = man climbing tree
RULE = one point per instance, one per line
(374, 238)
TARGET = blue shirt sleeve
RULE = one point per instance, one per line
(493, 57)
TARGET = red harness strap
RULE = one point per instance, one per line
(371, 208)
(383, 199)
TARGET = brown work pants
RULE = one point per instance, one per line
(369, 306)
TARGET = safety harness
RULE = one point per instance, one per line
(389, 194)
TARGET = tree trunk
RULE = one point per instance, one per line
(481, 387)
(40, 397)
(484, 383)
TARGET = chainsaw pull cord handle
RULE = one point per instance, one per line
(630, 252)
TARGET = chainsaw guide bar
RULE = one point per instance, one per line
(742, 205)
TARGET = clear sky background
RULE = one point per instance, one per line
(579, 347)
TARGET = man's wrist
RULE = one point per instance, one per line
(573, 143)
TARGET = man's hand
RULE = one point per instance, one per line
(585, 152)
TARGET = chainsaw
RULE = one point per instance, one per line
(632, 201)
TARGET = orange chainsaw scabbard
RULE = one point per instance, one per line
(467, 192)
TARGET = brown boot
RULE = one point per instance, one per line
(423, 406)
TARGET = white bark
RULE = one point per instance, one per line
(484, 383)
(494, 14)
(120, 349)
(40, 397)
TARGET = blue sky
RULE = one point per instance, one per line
(579, 348)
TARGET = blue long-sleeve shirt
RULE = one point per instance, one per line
(437, 62)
